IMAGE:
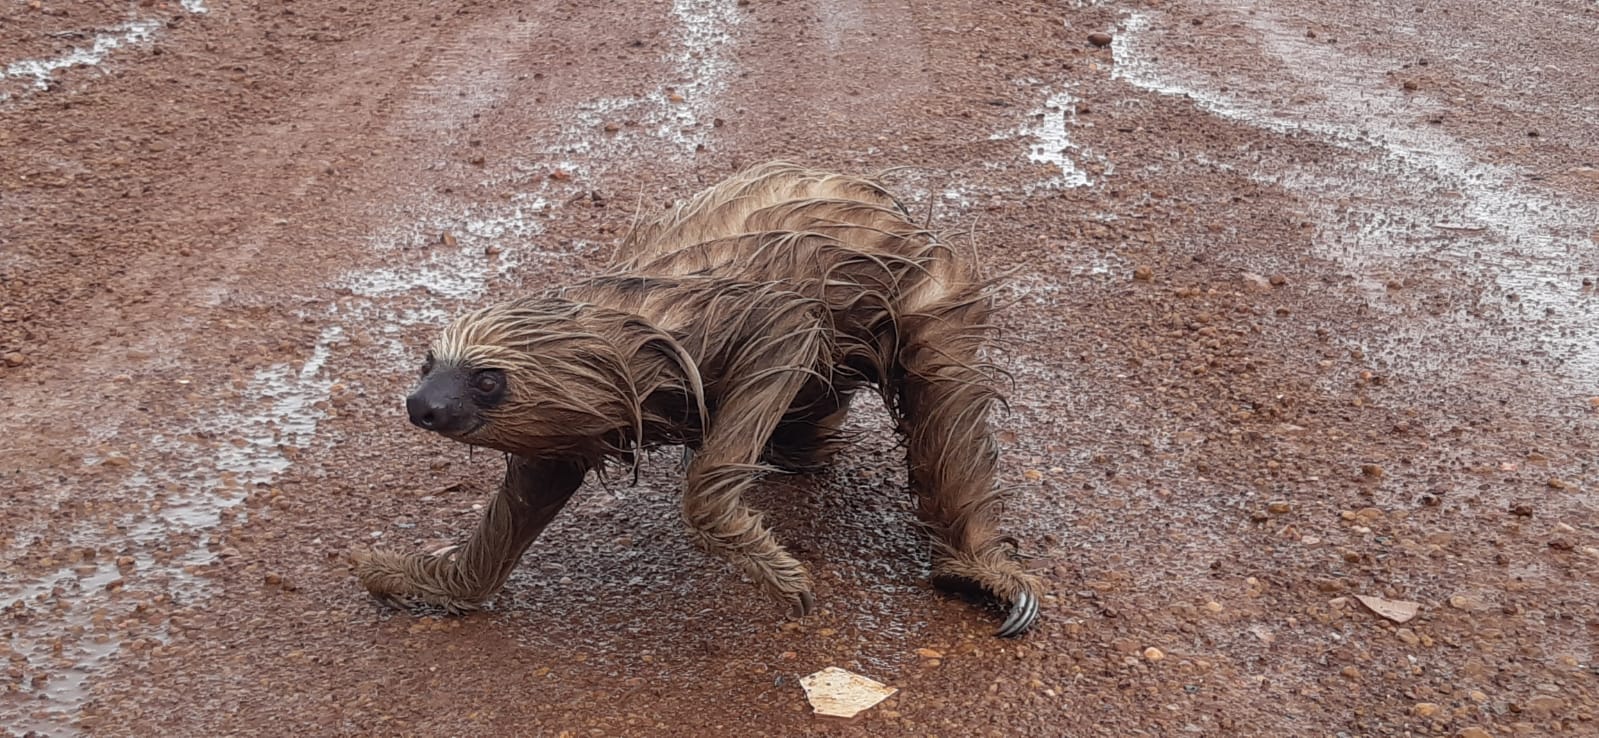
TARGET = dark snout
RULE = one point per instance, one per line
(442, 404)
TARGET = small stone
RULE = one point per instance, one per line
(1425, 709)
(1277, 280)
(448, 239)
(1411, 85)
(1351, 672)
(1371, 471)
(1557, 484)
(491, 250)
(1521, 509)
(1279, 507)
(1468, 602)
(928, 653)
(273, 579)
(1408, 636)
(1140, 273)
(1100, 39)
(1478, 696)
(1154, 654)
(1545, 705)
(612, 128)
(1475, 732)
(16, 359)
(675, 97)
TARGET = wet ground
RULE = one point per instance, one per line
(1306, 311)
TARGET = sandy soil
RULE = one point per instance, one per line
(1306, 312)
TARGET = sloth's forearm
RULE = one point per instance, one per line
(533, 492)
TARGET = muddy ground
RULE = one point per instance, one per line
(1306, 311)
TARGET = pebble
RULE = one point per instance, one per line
(1426, 709)
(1350, 672)
(1143, 273)
(1279, 507)
(15, 359)
(1475, 732)
(1100, 39)
(1154, 654)
(928, 653)
(1408, 636)
(1468, 602)
(1546, 705)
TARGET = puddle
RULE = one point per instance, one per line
(1404, 198)
(76, 615)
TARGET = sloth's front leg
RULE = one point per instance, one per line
(460, 580)
(756, 391)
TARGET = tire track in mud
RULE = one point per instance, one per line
(1399, 199)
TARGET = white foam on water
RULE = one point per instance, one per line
(41, 70)
(284, 414)
(464, 271)
(1408, 192)
(701, 63)
(703, 59)
(1051, 139)
(126, 34)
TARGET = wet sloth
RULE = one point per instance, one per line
(739, 325)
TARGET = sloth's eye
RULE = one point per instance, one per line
(488, 381)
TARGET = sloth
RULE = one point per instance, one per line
(739, 325)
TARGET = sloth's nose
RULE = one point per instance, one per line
(435, 410)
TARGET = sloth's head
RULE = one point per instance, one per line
(543, 375)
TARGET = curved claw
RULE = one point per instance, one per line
(805, 606)
(1023, 614)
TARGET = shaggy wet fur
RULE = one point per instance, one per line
(740, 325)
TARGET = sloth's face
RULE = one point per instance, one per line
(455, 400)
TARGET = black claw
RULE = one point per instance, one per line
(804, 607)
(1023, 614)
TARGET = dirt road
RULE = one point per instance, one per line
(1306, 313)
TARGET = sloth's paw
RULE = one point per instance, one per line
(998, 576)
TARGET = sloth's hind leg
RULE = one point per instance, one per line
(944, 399)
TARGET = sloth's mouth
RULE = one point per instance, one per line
(463, 434)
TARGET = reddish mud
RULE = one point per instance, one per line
(1306, 311)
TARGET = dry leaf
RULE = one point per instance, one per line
(835, 692)
(1399, 611)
